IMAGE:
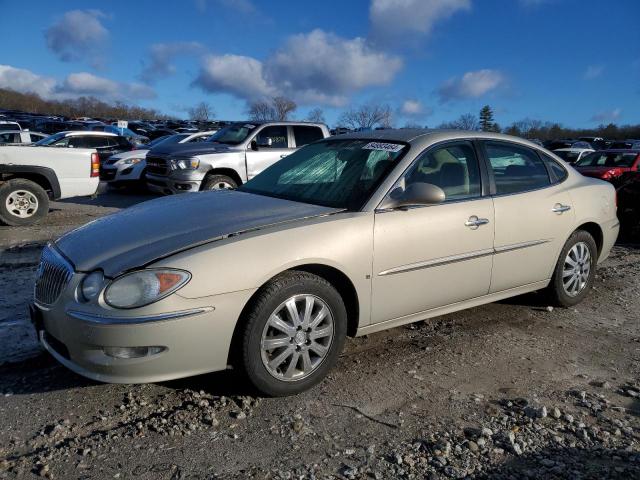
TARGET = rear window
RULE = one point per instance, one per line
(607, 159)
(306, 134)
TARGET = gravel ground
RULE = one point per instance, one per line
(508, 390)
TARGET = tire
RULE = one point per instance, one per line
(22, 202)
(309, 368)
(218, 182)
(578, 286)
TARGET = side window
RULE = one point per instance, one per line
(76, 142)
(516, 169)
(278, 135)
(558, 172)
(306, 134)
(452, 167)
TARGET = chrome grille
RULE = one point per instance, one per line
(53, 275)
(157, 165)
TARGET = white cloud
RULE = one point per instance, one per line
(237, 75)
(162, 54)
(318, 67)
(607, 115)
(246, 7)
(25, 81)
(414, 108)
(74, 85)
(83, 83)
(78, 35)
(593, 71)
(395, 19)
(471, 85)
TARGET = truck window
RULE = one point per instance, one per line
(306, 134)
(278, 134)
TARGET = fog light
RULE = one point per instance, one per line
(132, 352)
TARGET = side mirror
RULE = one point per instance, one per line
(265, 142)
(416, 194)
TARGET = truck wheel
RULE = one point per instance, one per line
(22, 202)
(218, 182)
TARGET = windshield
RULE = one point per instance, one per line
(166, 140)
(334, 173)
(232, 135)
(50, 139)
(610, 159)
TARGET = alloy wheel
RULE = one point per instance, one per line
(576, 269)
(22, 203)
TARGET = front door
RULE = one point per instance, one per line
(260, 155)
(431, 256)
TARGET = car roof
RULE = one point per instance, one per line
(573, 150)
(74, 133)
(421, 135)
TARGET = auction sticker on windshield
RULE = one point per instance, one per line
(385, 147)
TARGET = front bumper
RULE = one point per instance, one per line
(178, 182)
(122, 173)
(195, 341)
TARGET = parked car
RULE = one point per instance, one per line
(597, 143)
(625, 145)
(558, 144)
(130, 167)
(609, 165)
(130, 135)
(20, 136)
(228, 158)
(160, 132)
(346, 236)
(30, 177)
(572, 155)
(106, 144)
(9, 125)
(629, 204)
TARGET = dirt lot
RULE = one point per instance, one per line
(508, 390)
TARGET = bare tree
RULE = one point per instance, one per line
(261, 111)
(367, 116)
(202, 111)
(316, 115)
(467, 121)
(283, 107)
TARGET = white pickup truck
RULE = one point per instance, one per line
(30, 176)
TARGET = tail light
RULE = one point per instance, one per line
(612, 173)
(95, 164)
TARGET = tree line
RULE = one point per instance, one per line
(366, 116)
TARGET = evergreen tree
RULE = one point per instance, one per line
(486, 119)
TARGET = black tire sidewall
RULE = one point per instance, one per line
(269, 301)
(21, 184)
(213, 179)
(558, 295)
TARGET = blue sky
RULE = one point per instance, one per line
(572, 61)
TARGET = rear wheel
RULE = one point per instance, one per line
(218, 182)
(22, 202)
(294, 333)
(575, 270)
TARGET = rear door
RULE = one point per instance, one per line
(533, 215)
(261, 157)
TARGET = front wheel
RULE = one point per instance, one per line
(218, 182)
(22, 202)
(575, 270)
(293, 335)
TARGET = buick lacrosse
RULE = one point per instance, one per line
(346, 236)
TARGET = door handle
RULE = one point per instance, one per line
(559, 208)
(284, 155)
(474, 222)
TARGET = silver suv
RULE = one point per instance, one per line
(228, 158)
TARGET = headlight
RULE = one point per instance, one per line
(92, 285)
(186, 163)
(141, 288)
(130, 161)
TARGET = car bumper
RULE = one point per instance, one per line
(121, 173)
(195, 337)
(610, 231)
(170, 185)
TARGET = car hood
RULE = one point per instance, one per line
(158, 228)
(193, 149)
